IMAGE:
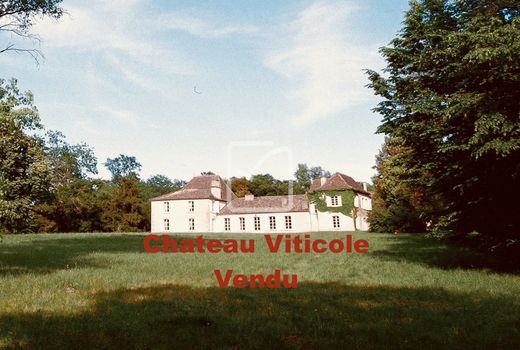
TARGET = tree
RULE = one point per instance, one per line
(73, 201)
(451, 93)
(69, 162)
(205, 173)
(160, 181)
(123, 166)
(240, 186)
(304, 176)
(123, 209)
(161, 184)
(317, 171)
(267, 185)
(16, 19)
(398, 200)
(75, 206)
(24, 170)
(303, 179)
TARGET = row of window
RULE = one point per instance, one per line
(191, 224)
(191, 206)
(242, 222)
(272, 223)
(335, 201)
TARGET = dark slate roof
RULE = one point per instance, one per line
(267, 204)
(199, 188)
(337, 181)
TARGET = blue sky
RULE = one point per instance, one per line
(236, 87)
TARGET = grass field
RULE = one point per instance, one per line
(101, 291)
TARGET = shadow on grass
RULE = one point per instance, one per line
(49, 254)
(311, 316)
(421, 249)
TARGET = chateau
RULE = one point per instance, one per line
(207, 204)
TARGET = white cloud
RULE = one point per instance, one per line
(133, 75)
(324, 62)
(86, 29)
(119, 33)
(115, 33)
(84, 114)
(118, 5)
(124, 116)
(204, 29)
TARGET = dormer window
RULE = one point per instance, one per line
(334, 201)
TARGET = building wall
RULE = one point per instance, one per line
(179, 215)
(363, 202)
(362, 221)
(325, 222)
(207, 218)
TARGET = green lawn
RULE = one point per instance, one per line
(102, 291)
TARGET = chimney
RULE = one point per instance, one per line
(365, 187)
(249, 197)
(323, 180)
(216, 191)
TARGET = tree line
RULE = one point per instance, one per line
(50, 185)
(450, 102)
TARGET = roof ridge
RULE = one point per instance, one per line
(278, 195)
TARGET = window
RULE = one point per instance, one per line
(166, 207)
(191, 205)
(335, 221)
(334, 202)
(227, 224)
(272, 223)
(257, 223)
(242, 224)
(288, 222)
(166, 225)
(191, 224)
